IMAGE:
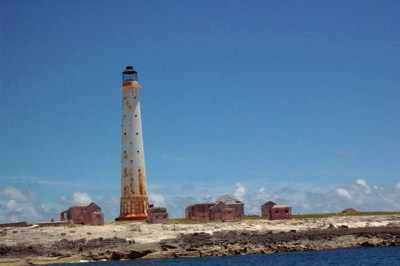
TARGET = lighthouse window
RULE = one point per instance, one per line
(134, 97)
(124, 134)
(137, 133)
(135, 115)
(137, 151)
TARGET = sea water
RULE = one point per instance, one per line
(350, 256)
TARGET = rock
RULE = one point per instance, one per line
(167, 246)
(367, 244)
(115, 256)
(138, 254)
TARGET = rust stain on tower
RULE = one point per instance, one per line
(134, 201)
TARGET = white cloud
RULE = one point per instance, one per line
(109, 206)
(252, 198)
(79, 198)
(397, 187)
(240, 192)
(157, 199)
(364, 184)
(343, 193)
(17, 205)
(361, 182)
(13, 193)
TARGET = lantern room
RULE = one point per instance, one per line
(129, 74)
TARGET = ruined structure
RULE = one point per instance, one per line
(225, 208)
(134, 200)
(266, 208)
(349, 210)
(198, 211)
(233, 203)
(276, 212)
(222, 212)
(157, 215)
(280, 212)
(83, 214)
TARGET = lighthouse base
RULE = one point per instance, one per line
(133, 208)
(132, 217)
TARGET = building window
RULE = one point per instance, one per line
(135, 115)
(137, 151)
(137, 133)
(286, 211)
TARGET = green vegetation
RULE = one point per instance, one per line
(122, 222)
(325, 215)
(256, 217)
(251, 217)
(187, 221)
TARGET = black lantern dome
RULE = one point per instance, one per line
(129, 74)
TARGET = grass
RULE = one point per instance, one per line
(256, 217)
(187, 221)
(340, 214)
(251, 218)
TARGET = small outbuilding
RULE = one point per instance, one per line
(281, 212)
(222, 212)
(198, 211)
(233, 203)
(276, 212)
(349, 210)
(226, 208)
(266, 208)
(84, 214)
(157, 215)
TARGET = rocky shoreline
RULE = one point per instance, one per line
(71, 247)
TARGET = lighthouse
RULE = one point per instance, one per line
(134, 200)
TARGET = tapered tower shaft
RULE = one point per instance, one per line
(134, 199)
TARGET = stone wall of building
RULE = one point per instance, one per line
(280, 212)
(157, 215)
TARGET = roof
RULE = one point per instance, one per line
(83, 206)
(229, 200)
(269, 203)
(280, 206)
(199, 204)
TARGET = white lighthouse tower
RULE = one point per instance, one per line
(134, 200)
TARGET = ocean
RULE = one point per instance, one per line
(350, 256)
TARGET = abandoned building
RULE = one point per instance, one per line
(233, 203)
(84, 214)
(224, 209)
(349, 210)
(222, 212)
(266, 208)
(157, 215)
(276, 212)
(198, 211)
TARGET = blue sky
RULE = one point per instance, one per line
(294, 101)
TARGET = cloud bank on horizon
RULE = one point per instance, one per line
(18, 204)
